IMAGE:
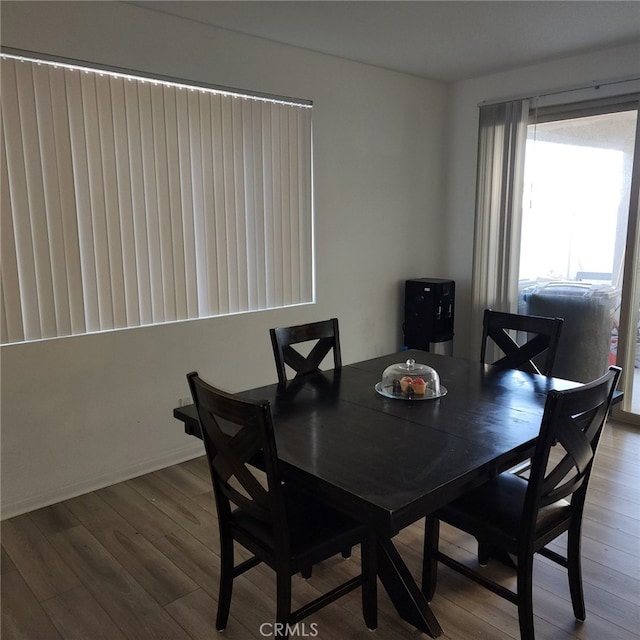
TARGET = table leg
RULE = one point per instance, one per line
(403, 590)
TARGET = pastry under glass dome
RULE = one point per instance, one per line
(410, 381)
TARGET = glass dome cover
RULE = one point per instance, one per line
(410, 381)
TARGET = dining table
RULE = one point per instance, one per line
(389, 461)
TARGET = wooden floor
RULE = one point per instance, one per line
(138, 560)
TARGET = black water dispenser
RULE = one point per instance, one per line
(429, 306)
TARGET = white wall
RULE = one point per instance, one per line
(83, 412)
(461, 154)
(394, 200)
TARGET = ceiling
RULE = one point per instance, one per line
(442, 40)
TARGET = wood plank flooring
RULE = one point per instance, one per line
(139, 560)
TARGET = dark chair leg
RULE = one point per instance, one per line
(346, 553)
(429, 559)
(283, 602)
(226, 582)
(370, 582)
(484, 552)
(575, 573)
(487, 551)
(525, 597)
(306, 572)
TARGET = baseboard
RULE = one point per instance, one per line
(47, 498)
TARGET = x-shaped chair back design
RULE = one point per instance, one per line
(543, 336)
(327, 337)
(246, 439)
(573, 422)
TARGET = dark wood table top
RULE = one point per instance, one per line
(391, 461)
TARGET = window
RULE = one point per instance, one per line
(576, 194)
(578, 250)
(557, 223)
(129, 201)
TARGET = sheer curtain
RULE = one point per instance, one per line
(501, 152)
(128, 201)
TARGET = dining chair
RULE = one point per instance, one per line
(520, 517)
(543, 335)
(282, 527)
(326, 336)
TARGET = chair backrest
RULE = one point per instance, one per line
(543, 335)
(236, 433)
(326, 335)
(572, 424)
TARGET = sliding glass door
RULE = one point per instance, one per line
(579, 240)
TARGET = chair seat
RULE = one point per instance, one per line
(314, 528)
(493, 511)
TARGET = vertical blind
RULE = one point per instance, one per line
(128, 201)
